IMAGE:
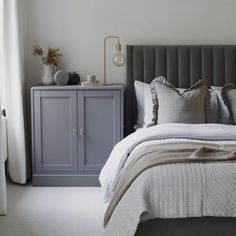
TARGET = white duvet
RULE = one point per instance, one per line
(213, 133)
(174, 190)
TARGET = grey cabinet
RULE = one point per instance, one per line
(73, 132)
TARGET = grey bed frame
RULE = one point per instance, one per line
(183, 65)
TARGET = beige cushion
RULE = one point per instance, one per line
(191, 106)
(229, 97)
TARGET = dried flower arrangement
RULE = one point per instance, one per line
(52, 58)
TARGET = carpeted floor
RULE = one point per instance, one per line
(37, 211)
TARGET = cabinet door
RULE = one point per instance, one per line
(55, 131)
(99, 127)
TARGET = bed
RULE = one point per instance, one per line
(183, 66)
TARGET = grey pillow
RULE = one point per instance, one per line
(224, 116)
(229, 96)
(171, 106)
(214, 108)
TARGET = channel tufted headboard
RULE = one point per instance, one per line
(182, 65)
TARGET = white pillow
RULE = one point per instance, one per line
(144, 104)
(223, 112)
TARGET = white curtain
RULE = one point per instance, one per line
(13, 89)
(3, 197)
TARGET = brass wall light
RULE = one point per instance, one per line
(118, 59)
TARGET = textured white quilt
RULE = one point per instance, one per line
(175, 190)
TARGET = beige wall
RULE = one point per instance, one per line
(78, 27)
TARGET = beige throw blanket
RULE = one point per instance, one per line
(152, 156)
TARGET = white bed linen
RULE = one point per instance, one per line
(175, 190)
(161, 133)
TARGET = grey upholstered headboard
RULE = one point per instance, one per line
(182, 65)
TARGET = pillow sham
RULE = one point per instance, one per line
(223, 112)
(191, 106)
(229, 96)
(145, 117)
(144, 104)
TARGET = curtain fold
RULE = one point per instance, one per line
(13, 89)
(3, 194)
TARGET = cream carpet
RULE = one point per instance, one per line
(43, 211)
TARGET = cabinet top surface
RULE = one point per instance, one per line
(78, 87)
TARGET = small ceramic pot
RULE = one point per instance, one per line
(48, 74)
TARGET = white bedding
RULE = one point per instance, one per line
(176, 190)
(214, 133)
